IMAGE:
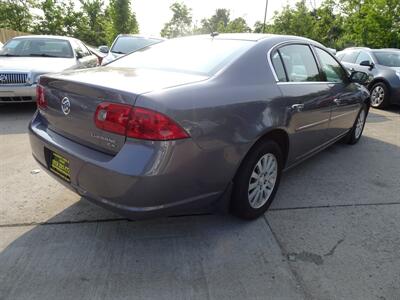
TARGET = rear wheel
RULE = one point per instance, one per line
(257, 181)
(379, 95)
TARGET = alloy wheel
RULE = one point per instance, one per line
(360, 124)
(262, 180)
(377, 96)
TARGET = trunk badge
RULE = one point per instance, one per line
(65, 106)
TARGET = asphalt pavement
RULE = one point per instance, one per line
(331, 233)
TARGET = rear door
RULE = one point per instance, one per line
(345, 100)
(307, 97)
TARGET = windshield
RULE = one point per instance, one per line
(128, 44)
(388, 59)
(45, 47)
(194, 55)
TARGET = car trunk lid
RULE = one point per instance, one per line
(72, 99)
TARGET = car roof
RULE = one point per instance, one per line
(141, 36)
(256, 37)
(58, 37)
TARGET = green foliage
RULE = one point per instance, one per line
(123, 19)
(221, 22)
(59, 18)
(343, 23)
(16, 14)
(94, 22)
(180, 23)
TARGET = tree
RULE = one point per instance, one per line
(180, 23)
(221, 22)
(95, 22)
(238, 25)
(123, 18)
(16, 14)
(59, 18)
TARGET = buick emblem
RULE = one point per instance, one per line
(65, 106)
(3, 78)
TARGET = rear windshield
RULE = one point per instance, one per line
(389, 59)
(45, 47)
(203, 56)
(128, 44)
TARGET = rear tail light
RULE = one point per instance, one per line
(137, 122)
(40, 99)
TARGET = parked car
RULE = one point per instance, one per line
(193, 121)
(383, 65)
(127, 43)
(23, 59)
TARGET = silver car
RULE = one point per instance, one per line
(195, 122)
(127, 43)
(23, 59)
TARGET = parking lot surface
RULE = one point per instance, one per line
(332, 232)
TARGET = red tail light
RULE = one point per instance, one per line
(137, 122)
(40, 99)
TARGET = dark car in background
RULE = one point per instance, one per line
(193, 121)
(127, 43)
(23, 59)
(383, 66)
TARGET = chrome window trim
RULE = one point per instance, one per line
(291, 43)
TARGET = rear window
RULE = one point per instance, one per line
(388, 59)
(128, 44)
(193, 55)
(46, 47)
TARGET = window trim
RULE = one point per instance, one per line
(335, 58)
(288, 43)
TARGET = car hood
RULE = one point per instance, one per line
(135, 81)
(36, 64)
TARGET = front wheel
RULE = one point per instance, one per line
(379, 95)
(257, 181)
(356, 131)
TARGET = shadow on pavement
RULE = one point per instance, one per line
(14, 118)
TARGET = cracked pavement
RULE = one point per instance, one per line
(331, 233)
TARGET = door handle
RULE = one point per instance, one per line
(297, 107)
(337, 101)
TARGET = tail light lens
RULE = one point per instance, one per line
(40, 99)
(137, 122)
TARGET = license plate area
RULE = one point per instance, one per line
(59, 165)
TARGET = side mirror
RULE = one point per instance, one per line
(79, 54)
(367, 63)
(360, 77)
(104, 49)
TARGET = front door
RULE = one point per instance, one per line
(344, 101)
(307, 96)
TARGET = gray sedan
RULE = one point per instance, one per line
(23, 59)
(194, 122)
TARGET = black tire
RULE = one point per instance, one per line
(353, 136)
(379, 100)
(240, 203)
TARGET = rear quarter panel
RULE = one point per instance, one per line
(226, 114)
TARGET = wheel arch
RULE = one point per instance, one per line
(278, 135)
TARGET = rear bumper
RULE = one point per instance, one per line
(145, 179)
(17, 93)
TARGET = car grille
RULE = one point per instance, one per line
(16, 99)
(13, 78)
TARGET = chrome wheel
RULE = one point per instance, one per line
(377, 96)
(360, 124)
(262, 180)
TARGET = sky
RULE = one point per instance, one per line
(153, 14)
